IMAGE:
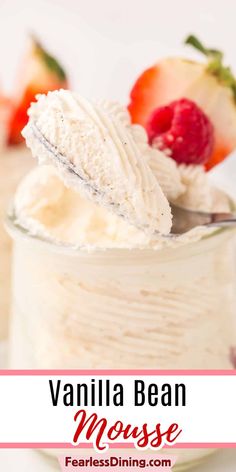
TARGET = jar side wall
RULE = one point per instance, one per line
(168, 315)
(14, 165)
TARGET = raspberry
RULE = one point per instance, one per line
(183, 131)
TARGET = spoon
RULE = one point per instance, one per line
(183, 219)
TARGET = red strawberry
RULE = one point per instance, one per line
(41, 73)
(183, 131)
(210, 85)
(5, 113)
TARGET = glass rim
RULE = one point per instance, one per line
(13, 228)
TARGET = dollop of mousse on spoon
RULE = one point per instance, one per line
(96, 153)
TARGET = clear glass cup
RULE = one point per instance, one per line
(120, 308)
(14, 164)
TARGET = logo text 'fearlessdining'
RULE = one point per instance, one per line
(134, 462)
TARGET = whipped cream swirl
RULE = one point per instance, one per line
(96, 153)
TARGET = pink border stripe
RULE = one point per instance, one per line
(101, 372)
(113, 446)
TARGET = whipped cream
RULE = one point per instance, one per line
(96, 153)
(199, 194)
(46, 207)
(110, 161)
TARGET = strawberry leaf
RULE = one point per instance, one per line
(215, 64)
(51, 63)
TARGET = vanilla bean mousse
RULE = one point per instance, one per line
(130, 296)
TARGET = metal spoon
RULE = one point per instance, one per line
(183, 219)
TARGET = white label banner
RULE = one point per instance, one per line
(54, 409)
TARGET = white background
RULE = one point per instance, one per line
(103, 45)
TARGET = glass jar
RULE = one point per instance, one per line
(120, 308)
(14, 164)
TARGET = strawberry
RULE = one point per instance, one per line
(183, 131)
(210, 85)
(5, 113)
(41, 73)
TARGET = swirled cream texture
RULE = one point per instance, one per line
(123, 309)
(199, 195)
(97, 154)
